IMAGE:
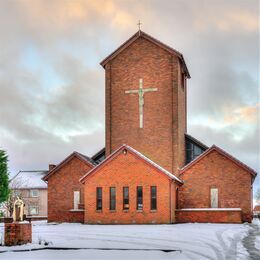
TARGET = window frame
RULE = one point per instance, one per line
(99, 198)
(126, 198)
(153, 197)
(32, 193)
(37, 210)
(137, 199)
(112, 198)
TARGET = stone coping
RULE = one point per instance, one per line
(76, 210)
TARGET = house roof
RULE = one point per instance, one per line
(141, 34)
(28, 180)
(80, 156)
(256, 208)
(133, 151)
(222, 152)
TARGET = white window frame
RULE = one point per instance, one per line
(76, 199)
(33, 195)
(36, 210)
(214, 197)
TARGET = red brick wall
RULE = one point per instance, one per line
(216, 171)
(128, 170)
(61, 187)
(208, 216)
(18, 233)
(164, 118)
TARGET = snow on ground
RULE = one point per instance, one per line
(257, 241)
(191, 241)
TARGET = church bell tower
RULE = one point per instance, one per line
(146, 100)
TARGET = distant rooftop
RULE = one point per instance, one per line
(28, 180)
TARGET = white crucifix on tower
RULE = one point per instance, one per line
(140, 93)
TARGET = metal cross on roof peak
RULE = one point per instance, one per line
(139, 25)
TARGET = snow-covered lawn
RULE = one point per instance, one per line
(191, 241)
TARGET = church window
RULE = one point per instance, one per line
(112, 205)
(99, 198)
(125, 198)
(214, 197)
(139, 198)
(192, 151)
(76, 199)
(153, 198)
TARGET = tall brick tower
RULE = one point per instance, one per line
(146, 100)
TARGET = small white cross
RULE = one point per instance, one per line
(140, 93)
(139, 25)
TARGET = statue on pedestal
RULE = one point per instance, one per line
(18, 212)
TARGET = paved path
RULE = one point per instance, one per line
(249, 242)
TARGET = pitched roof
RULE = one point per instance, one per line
(28, 180)
(133, 151)
(101, 153)
(222, 152)
(196, 141)
(80, 156)
(141, 34)
(256, 208)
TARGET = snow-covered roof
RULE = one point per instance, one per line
(28, 180)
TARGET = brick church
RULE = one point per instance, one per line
(151, 170)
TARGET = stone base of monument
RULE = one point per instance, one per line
(18, 233)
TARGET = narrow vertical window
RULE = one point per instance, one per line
(153, 198)
(126, 198)
(76, 199)
(112, 205)
(139, 198)
(99, 198)
(214, 197)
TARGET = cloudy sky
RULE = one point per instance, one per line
(52, 86)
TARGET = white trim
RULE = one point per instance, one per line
(140, 155)
(154, 164)
(76, 210)
(210, 209)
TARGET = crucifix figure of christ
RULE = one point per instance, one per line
(140, 93)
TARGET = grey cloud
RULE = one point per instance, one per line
(219, 40)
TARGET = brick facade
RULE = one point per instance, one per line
(61, 186)
(164, 110)
(216, 171)
(18, 233)
(207, 216)
(129, 170)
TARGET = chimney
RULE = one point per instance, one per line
(51, 166)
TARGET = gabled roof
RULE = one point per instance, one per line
(28, 180)
(222, 152)
(99, 156)
(256, 208)
(133, 151)
(196, 141)
(141, 34)
(80, 156)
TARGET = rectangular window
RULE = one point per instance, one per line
(112, 205)
(34, 193)
(99, 198)
(214, 197)
(139, 198)
(33, 210)
(126, 198)
(76, 199)
(153, 198)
